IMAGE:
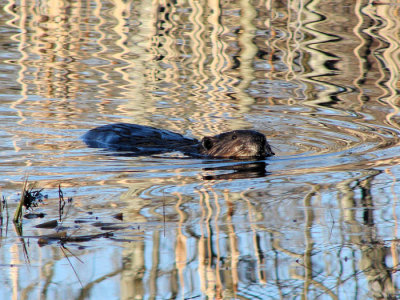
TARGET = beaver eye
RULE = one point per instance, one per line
(207, 143)
(234, 137)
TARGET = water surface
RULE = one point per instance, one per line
(317, 221)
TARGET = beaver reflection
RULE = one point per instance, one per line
(239, 171)
(146, 140)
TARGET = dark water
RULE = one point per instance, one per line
(317, 221)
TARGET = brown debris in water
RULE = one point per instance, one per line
(63, 238)
(49, 224)
(31, 198)
(119, 216)
(34, 215)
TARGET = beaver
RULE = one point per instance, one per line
(146, 140)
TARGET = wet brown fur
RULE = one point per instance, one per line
(236, 144)
(146, 140)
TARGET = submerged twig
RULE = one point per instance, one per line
(76, 257)
(5, 207)
(18, 229)
(5, 204)
(1, 211)
(18, 212)
(73, 269)
(61, 205)
(61, 202)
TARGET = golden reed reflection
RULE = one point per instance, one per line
(199, 56)
(227, 241)
(387, 30)
(375, 255)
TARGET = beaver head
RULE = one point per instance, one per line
(236, 144)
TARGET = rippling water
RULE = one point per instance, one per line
(317, 221)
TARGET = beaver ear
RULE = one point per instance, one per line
(207, 142)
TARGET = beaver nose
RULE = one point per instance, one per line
(269, 151)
